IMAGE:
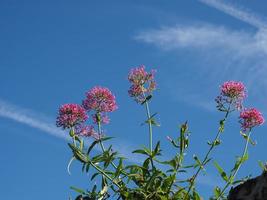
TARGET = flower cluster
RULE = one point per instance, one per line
(143, 83)
(100, 99)
(232, 96)
(250, 118)
(87, 131)
(71, 115)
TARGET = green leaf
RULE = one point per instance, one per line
(196, 196)
(78, 154)
(217, 192)
(221, 171)
(156, 150)
(245, 136)
(262, 165)
(142, 151)
(95, 175)
(119, 168)
(92, 146)
(198, 162)
(80, 191)
(106, 138)
(147, 99)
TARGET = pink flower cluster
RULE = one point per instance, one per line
(250, 118)
(71, 115)
(87, 131)
(232, 94)
(233, 89)
(143, 83)
(100, 99)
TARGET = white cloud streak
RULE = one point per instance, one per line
(238, 13)
(238, 54)
(44, 124)
(206, 36)
(23, 116)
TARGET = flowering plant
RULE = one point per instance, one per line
(148, 181)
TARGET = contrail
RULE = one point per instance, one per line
(34, 120)
(237, 13)
(20, 115)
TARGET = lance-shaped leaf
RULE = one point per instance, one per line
(78, 190)
(78, 154)
(247, 138)
(147, 99)
(221, 171)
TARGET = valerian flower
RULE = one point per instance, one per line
(71, 115)
(142, 83)
(250, 118)
(100, 99)
(86, 131)
(232, 96)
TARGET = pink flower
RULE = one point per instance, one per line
(71, 115)
(143, 83)
(250, 118)
(100, 99)
(233, 89)
(85, 130)
(232, 95)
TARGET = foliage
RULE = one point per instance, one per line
(154, 178)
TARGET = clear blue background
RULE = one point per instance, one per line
(52, 52)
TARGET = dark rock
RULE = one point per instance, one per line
(252, 189)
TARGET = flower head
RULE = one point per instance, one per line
(100, 99)
(250, 118)
(143, 83)
(233, 89)
(232, 94)
(70, 115)
(85, 130)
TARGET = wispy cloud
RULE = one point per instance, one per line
(205, 36)
(222, 53)
(237, 12)
(46, 125)
(29, 118)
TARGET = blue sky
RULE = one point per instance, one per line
(52, 52)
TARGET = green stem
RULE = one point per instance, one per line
(149, 127)
(73, 136)
(213, 144)
(232, 176)
(103, 147)
(104, 174)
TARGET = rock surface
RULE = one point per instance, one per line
(252, 189)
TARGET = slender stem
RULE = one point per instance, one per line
(213, 144)
(104, 174)
(103, 147)
(232, 176)
(149, 126)
(99, 134)
(73, 136)
(149, 129)
(181, 157)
